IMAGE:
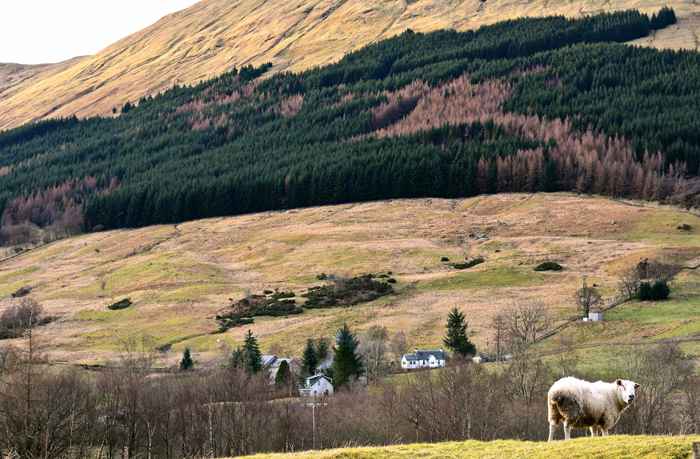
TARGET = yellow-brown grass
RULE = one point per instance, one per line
(179, 276)
(614, 446)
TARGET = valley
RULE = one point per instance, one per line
(180, 276)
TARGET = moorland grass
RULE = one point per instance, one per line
(612, 447)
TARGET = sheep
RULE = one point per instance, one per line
(581, 404)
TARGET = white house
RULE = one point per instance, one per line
(318, 385)
(423, 359)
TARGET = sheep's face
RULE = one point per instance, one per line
(626, 389)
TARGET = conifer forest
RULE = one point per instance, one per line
(544, 104)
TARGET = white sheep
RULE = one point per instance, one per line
(581, 404)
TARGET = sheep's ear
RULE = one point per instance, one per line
(618, 382)
(637, 386)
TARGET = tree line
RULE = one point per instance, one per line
(228, 410)
(569, 108)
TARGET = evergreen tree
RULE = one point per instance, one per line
(237, 358)
(659, 291)
(456, 338)
(345, 363)
(321, 349)
(251, 353)
(309, 358)
(186, 363)
(284, 375)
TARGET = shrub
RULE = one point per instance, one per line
(444, 259)
(468, 264)
(22, 292)
(391, 280)
(684, 227)
(659, 291)
(644, 292)
(548, 266)
(359, 289)
(121, 304)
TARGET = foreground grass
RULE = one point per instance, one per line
(616, 446)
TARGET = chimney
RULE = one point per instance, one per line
(415, 351)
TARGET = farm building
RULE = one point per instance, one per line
(595, 316)
(423, 359)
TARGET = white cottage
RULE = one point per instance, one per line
(423, 359)
(319, 385)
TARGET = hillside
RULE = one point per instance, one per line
(597, 448)
(536, 104)
(180, 276)
(213, 36)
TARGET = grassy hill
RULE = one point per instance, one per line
(599, 448)
(180, 276)
(213, 36)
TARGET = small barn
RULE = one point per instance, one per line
(595, 316)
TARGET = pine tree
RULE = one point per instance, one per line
(345, 364)
(186, 363)
(309, 358)
(251, 353)
(284, 375)
(456, 338)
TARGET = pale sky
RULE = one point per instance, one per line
(45, 31)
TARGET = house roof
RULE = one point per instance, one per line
(425, 355)
(311, 380)
(276, 362)
(267, 360)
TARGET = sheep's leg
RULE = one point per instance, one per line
(567, 431)
(594, 431)
(552, 428)
(603, 432)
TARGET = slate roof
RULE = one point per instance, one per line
(425, 355)
(311, 380)
(267, 360)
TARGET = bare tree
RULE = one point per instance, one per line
(661, 372)
(525, 322)
(587, 298)
(398, 346)
(372, 348)
(498, 323)
(629, 282)
(567, 358)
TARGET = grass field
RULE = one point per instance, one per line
(612, 447)
(179, 277)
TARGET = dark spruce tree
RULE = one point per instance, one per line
(346, 363)
(456, 338)
(284, 375)
(309, 359)
(186, 363)
(251, 353)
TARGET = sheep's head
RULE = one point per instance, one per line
(626, 390)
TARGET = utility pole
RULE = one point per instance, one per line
(313, 417)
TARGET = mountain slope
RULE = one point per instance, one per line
(180, 276)
(213, 36)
